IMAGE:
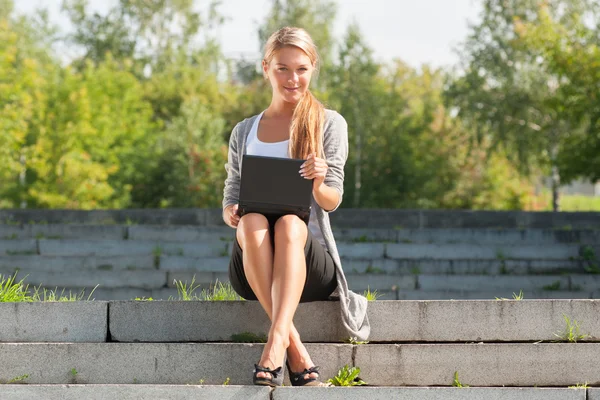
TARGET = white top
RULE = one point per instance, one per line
(278, 149)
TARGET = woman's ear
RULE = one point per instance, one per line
(265, 67)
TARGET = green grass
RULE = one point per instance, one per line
(143, 299)
(248, 337)
(354, 340)
(347, 376)
(579, 386)
(14, 291)
(552, 286)
(371, 295)
(47, 295)
(572, 332)
(218, 292)
(579, 203)
(457, 383)
(18, 379)
(374, 270)
(515, 296)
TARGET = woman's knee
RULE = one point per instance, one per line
(249, 224)
(290, 228)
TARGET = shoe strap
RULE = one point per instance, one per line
(273, 372)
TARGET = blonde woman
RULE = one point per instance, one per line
(283, 261)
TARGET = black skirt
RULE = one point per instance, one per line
(320, 269)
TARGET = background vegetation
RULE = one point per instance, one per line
(142, 118)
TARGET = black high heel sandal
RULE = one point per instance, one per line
(298, 379)
(276, 378)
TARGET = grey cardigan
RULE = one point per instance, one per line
(335, 143)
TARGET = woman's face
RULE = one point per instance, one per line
(289, 72)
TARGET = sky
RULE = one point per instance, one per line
(418, 32)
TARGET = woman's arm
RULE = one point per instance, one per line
(328, 173)
(232, 182)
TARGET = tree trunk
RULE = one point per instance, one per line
(555, 187)
(358, 165)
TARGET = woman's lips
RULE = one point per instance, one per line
(291, 89)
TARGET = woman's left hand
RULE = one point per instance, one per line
(314, 168)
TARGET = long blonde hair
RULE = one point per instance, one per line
(306, 130)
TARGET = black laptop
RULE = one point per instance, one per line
(274, 186)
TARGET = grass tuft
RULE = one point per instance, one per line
(572, 333)
(515, 296)
(13, 291)
(248, 337)
(458, 383)
(347, 376)
(371, 295)
(580, 386)
(219, 291)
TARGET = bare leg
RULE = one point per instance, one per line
(258, 257)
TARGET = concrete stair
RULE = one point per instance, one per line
(503, 349)
(129, 261)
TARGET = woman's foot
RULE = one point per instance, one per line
(272, 358)
(298, 361)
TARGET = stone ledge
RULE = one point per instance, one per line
(342, 218)
(397, 321)
(512, 364)
(54, 322)
(148, 363)
(427, 393)
(134, 392)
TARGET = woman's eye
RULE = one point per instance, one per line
(303, 69)
(282, 69)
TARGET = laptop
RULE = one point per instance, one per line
(274, 186)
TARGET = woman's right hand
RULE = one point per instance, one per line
(230, 216)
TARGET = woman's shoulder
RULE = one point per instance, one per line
(244, 126)
(334, 120)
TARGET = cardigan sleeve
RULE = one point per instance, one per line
(335, 146)
(231, 190)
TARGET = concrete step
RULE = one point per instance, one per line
(470, 235)
(63, 231)
(220, 264)
(72, 247)
(521, 364)
(219, 321)
(134, 392)
(78, 263)
(342, 218)
(430, 393)
(231, 392)
(391, 321)
(142, 279)
(461, 266)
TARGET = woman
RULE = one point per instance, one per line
(281, 261)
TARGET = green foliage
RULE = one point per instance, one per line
(371, 295)
(15, 291)
(572, 333)
(12, 290)
(248, 337)
(515, 296)
(457, 383)
(347, 376)
(18, 379)
(143, 117)
(218, 292)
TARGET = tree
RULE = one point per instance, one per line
(153, 33)
(506, 94)
(569, 48)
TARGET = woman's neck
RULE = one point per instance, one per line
(280, 110)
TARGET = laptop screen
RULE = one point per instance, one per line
(276, 181)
